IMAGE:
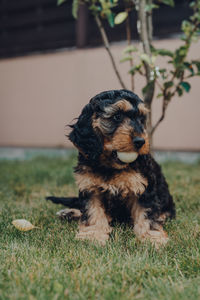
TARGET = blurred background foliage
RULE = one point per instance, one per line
(160, 82)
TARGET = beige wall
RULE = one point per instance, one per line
(40, 94)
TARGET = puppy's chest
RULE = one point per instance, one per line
(125, 183)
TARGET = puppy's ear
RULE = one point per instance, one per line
(83, 136)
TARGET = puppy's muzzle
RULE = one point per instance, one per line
(138, 142)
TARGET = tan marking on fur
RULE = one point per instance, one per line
(103, 123)
(124, 105)
(97, 228)
(95, 122)
(120, 142)
(156, 226)
(121, 104)
(141, 223)
(146, 147)
(122, 139)
(142, 230)
(97, 214)
(142, 109)
(157, 237)
(162, 218)
(90, 233)
(124, 183)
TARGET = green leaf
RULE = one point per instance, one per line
(186, 27)
(179, 91)
(168, 2)
(94, 8)
(160, 95)
(130, 49)
(186, 86)
(182, 51)
(75, 6)
(189, 67)
(163, 73)
(120, 18)
(179, 73)
(197, 64)
(111, 18)
(134, 69)
(59, 2)
(192, 4)
(164, 52)
(144, 57)
(163, 70)
(168, 84)
(148, 87)
(126, 58)
(180, 55)
(149, 7)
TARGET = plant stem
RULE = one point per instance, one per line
(145, 38)
(150, 23)
(164, 107)
(128, 35)
(145, 32)
(107, 46)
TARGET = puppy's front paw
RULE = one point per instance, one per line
(94, 234)
(157, 238)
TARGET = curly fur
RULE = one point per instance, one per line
(111, 190)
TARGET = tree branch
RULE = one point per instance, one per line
(164, 107)
(150, 23)
(107, 46)
(145, 37)
(128, 35)
(143, 30)
(145, 33)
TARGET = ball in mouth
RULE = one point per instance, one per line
(127, 157)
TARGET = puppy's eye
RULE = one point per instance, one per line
(118, 117)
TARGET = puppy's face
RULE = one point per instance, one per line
(123, 128)
(117, 122)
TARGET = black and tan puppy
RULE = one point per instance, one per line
(118, 179)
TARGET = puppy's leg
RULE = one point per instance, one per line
(96, 227)
(144, 229)
(69, 214)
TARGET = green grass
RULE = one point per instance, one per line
(48, 263)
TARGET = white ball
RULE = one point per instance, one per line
(127, 157)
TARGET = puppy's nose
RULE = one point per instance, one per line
(138, 142)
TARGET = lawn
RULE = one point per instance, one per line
(48, 263)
